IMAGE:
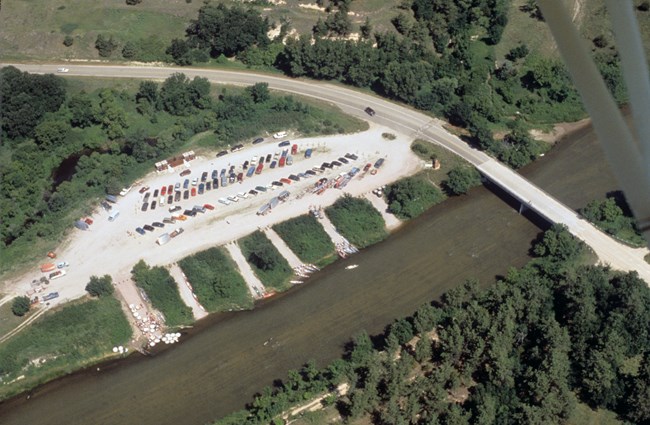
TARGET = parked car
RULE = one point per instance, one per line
(253, 192)
(237, 148)
(158, 224)
(148, 228)
(140, 230)
(193, 191)
(170, 199)
(208, 206)
(143, 189)
(177, 196)
(233, 198)
(146, 196)
(285, 143)
(214, 175)
(162, 201)
(191, 213)
(280, 135)
(277, 183)
(204, 176)
(174, 209)
(336, 163)
(260, 188)
(186, 194)
(170, 189)
(258, 140)
(155, 193)
(186, 173)
(195, 181)
(268, 158)
(145, 206)
(167, 220)
(222, 153)
(273, 164)
(153, 205)
(285, 180)
(343, 160)
(163, 190)
(370, 111)
(201, 188)
(215, 184)
(208, 186)
(186, 183)
(177, 186)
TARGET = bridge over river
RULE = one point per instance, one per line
(402, 119)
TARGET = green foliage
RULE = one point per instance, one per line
(26, 99)
(63, 341)
(105, 45)
(68, 41)
(180, 96)
(357, 220)
(100, 286)
(265, 259)
(162, 290)
(609, 216)
(409, 197)
(227, 30)
(307, 239)
(20, 306)
(461, 179)
(216, 281)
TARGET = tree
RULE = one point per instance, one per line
(68, 41)
(264, 258)
(559, 244)
(461, 179)
(411, 196)
(51, 132)
(259, 92)
(100, 286)
(600, 41)
(129, 50)
(82, 109)
(227, 30)
(180, 52)
(105, 46)
(518, 52)
(366, 29)
(175, 96)
(20, 306)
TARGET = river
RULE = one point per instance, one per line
(223, 361)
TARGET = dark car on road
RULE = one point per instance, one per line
(268, 158)
(186, 194)
(204, 176)
(177, 196)
(146, 196)
(186, 173)
(285, 143)
(343, 160)
(201, 188)
(208, 185)
(140, 230)
(174, 209)
(215, 184)
(145, 206)
(336, 164)
(155, 193)
(222, 153)
(153, 205)
(237, 148)
(370, 111)
(190, 213)
(170, 199)
(158, 224)
(258, 140)
(148, 228)
(214, 175)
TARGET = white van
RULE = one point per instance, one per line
(113, 215)
(280, 135)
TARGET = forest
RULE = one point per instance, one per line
(527, 349)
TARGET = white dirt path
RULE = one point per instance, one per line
(255, 286)
(380, 204)
(284, 249)
(186, 293)
(331, 230)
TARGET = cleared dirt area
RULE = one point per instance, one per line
(114, 247)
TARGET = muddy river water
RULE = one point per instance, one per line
(224, 360)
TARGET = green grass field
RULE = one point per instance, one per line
(62, 341)
(307, 239)
(357, 220)
(266, 261)
(8, 320)
(216, 280)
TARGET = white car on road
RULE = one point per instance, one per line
(62, 70)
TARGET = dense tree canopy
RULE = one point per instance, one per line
(227, 30)
(100, 286)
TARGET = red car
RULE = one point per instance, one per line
(170, 189)
(144, 189)
(285, 181)
(185, 173)
(208, 206)
(163, 191)
(193, 191)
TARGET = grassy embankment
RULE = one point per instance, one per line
(216, 281)
(266, 261)
(162, 290)
(61, 342)
(357, 220)
(307, 239)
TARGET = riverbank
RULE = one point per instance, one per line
(476, 236)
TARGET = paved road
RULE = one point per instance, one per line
(401, 119)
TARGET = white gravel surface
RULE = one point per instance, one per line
(114, 247)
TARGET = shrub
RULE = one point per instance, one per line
(461, 179)
(162, 291)
(100, 286)
(357, 220)
(20, 306)
(410, 197)
(216, 280)
(105, 46)
(133, 2)
(307, 238)
(265, 259)
(68, 41)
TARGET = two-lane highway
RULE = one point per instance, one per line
(404, 120)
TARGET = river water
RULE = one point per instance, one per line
(224, 360)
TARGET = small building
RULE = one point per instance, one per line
(162, 165)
